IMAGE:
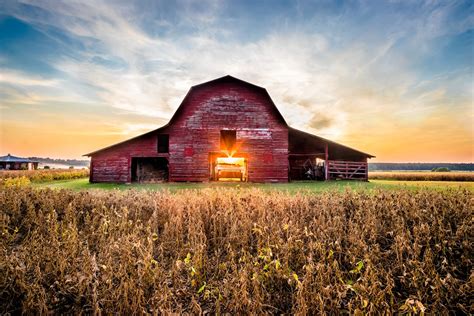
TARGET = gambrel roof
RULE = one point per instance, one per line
(296, 135)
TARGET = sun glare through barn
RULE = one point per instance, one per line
(230, 167)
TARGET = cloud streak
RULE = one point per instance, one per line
(358, 71)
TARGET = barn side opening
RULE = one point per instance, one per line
(150, 169)
(306, 167)
(314, 158)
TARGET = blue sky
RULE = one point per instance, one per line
(388, 77)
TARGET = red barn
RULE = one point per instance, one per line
(226, 129)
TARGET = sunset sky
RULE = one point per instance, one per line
(391, 78)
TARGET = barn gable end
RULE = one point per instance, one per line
(234, 105)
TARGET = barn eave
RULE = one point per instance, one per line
(126, 141)
(299, 134)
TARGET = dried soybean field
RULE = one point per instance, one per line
(25, 177)
(422, 176)
(236, 250)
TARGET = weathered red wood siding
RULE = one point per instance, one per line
(228, 106)
(113, 165)
(195, 132)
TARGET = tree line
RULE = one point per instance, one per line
(419, 166)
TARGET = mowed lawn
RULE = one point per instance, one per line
(313, 186)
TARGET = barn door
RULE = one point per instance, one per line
(149, 169)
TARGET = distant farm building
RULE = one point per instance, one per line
(10, 162)
(227, 129)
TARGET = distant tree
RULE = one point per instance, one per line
(391, 166)
(71, 167)
(46, 167)
(441, 169)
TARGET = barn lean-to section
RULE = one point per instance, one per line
(226, 129)
(330, 159)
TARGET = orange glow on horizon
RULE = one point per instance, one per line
(387, 145)
(434, 139)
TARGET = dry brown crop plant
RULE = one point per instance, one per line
(236, 251)
(423, 176)
(44, 175)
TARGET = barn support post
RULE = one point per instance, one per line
(326, 162)
(366, 170)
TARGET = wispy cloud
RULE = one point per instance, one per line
(17, 78)
(339, 71)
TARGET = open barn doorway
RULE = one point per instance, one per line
(224, 168)
(306, 167)
(229, 164)
(149, 169)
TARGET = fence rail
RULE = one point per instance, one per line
(347, 170)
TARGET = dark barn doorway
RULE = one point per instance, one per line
(149, 169)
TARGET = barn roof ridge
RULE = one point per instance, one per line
(227, 77)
